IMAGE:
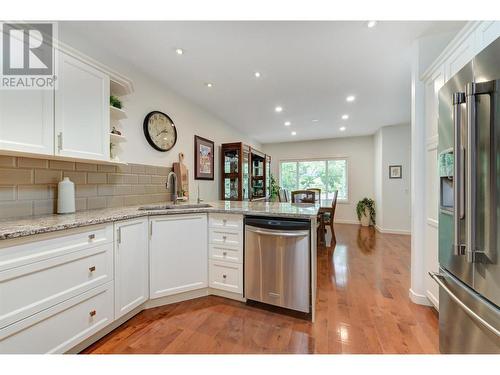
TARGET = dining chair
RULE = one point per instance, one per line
(318, 193)
(303, 196)
(329, 216)
(282, 195)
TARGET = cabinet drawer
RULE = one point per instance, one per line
(226, 253)
(33, 287)
(226, 237)
(26, 250)
(227, 221)
(226, 276)
(61, 327)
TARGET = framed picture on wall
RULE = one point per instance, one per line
(395, 171)
(203, 158)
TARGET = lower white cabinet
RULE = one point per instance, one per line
(226, 276)
(61, 327)
(178, 254)
(131, 265)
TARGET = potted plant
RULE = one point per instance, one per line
(366, 211)
(274, 189)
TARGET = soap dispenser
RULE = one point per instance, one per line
(65, 196)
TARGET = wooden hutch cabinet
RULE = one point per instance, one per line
(245, 173)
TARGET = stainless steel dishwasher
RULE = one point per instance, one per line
(277, 262)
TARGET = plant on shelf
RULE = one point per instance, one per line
(365, 210)
(115, 102)
(274, 189)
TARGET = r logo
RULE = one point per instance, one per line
(27, 49)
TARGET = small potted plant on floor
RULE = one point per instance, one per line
(366, 211)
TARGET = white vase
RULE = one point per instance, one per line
(365, 218)
(65, 196)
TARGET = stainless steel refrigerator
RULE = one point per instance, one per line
(469, 213)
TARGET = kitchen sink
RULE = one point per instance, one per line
(175, 206)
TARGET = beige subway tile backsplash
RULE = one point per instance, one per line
(47, 176)
(16, 176)
(28, 186)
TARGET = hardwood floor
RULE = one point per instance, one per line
(362, 307)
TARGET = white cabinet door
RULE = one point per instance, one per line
(464, 53)
(27, 121)
(178, 254)
(131, 265)
(82, 111)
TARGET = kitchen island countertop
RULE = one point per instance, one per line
(27, 226)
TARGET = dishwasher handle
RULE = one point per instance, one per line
(281, 233)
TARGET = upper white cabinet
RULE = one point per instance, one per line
(486, 33)
(131, 265)
(178, 254)
(27, 121)
(82, 110)
(464, 53)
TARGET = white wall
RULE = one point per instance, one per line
(392, 147)
(189, 118)
(358, 151)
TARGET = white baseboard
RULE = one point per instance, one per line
(345, 221)
(393, 231)
(433, 300)
(419, 299)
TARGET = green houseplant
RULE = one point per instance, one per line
(365, 209)
(115, 102)
(274, 189)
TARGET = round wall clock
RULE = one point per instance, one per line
(160, 131)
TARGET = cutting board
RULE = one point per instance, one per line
(181, 171)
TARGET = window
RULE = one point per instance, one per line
(328, 175)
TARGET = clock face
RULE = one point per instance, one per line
(160, 131)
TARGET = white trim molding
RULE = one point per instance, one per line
(419, 299)
(393, 231)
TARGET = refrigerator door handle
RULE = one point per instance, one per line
(438, 279)
(459, 172)
(473, 90)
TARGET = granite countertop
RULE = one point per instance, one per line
(20, 227)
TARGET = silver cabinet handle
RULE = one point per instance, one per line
(224, 276)
(270, 232)
(60, 141)
(92, 269)
(119, 236)
(91, 237)
(224, 253)
(92, 313)
(438, 279)
(458, 190)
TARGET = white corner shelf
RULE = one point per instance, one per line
(117, 113)
(117, 138)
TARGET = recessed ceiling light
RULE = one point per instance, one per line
(257, 74)
(179, 51)
(350, 98)
(345, 117)
(278, 109)
(371, 24)
(294, 133)
(288, 123)
(315, 120)
(342, 128)
(208, 84)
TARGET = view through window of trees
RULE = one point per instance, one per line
(328, 175)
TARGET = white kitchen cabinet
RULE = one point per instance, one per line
(131, 265)
(464, 53)
(178, 254)
(27, 121)
(81, 110)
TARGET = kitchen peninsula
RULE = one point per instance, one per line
(95, 269)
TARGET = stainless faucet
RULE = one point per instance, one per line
(199, 200)
(168, 185)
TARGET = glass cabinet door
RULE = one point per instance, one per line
(246, 175)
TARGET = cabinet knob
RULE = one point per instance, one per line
(91, 236)
(224, 276)
(224, 253)
(92, 313)
(224, 221)
(92, 269)
(224, 238)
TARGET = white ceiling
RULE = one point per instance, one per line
(308, 68)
